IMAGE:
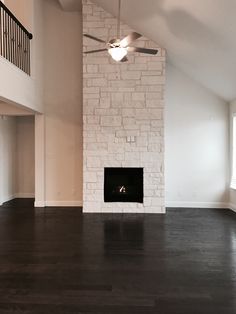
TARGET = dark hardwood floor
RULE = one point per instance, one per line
(61, 261)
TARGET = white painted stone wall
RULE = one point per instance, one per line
(121, 102)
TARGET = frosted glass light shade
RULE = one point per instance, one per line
(117, 53)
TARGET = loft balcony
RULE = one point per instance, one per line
(14, 40)
(21, 68)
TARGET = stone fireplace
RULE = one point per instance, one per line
(123, 123)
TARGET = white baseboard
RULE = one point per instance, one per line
(24, 195)
(58, 204)
(197, 204)
(16, 195)
(232, 207)
(64, 203)
(7, 199)
(39, 204)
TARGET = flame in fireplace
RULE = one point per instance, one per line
(122, 189)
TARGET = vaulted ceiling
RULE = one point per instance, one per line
(199, 35)
(71, 5)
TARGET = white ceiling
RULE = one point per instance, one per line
(199, 35)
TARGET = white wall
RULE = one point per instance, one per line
(16, 157)
(63, 105)
(25, 167)
(232, 192)
(23, 11)
(196, 151)
(7, 158)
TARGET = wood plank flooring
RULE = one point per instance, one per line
(58, 260)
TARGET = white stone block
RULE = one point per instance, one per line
(90, 176)
(110, 21)
(88, 110)
(131, 75)
(130, 124)
(88, 59)
(99, 147)
(152, 80)
(124, 83)
(105, 102)
(149, 114)
(137, 67)
(106, 112)
(115, 148)
(111, 121)
(138, 96)
(157, 201)
(153, 96)
(91, 207)
(98, 82)
(93, 162)
(91, 96)
(142, 141)
(152, 73)
(145, 128)
(132, 156)
(128, 97)
(109, 68)
(92, 120)
(92, 102)
(91, 68)
(155, 66)
(154, 147)
(128, 113)
(91, 24)
(117, 96)
(147, 157)
(141, 59)
(92, 186)
(112, 76)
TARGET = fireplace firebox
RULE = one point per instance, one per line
(123, 185)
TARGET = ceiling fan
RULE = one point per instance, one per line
(118, 48)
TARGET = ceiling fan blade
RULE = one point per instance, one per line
(143, 50)
(124, 59)
(129, 39)
(97, 50)
(95, 38)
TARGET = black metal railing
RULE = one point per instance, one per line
(14, 40)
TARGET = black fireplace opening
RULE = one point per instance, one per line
(123, 185)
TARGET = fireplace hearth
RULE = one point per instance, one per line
(123, 185)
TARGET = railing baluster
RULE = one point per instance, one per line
(21, 43)
(14, 40)
(17, 45)
(7, 36)
(1, 31)
(28, 57)
(4, 34)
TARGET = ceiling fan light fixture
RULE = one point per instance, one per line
(118, 53)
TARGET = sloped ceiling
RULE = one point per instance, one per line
(199, 35)
(71, 5)
(7, 109)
